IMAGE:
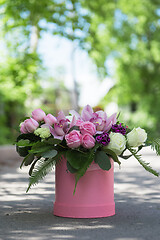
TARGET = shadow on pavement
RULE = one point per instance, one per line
(30, 216)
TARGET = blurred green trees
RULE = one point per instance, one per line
(16, 86)
(21, 68)
(126, 32)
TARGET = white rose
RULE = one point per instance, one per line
(117, 143)
(136, 137)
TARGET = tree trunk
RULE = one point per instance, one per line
(34, 39)
(74, 92)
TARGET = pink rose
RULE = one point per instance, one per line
(88, 141)
(29, 125)
(73, 139)
(38, 114)
(78, 122)
(50, 119)
(88, 127)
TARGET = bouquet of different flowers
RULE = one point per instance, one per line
(82, 139)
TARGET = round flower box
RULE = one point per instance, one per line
(94, 196)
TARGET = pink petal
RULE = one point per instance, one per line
(87, 113)
(52, 131)
(61, 116)
(73, 121)
(74, 113)
(110, 121)
(58, 129)
(102, 114)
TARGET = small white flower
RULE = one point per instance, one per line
(136, 137)
(117, 143)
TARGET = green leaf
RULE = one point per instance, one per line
(112, 155)
(103, 160)
(40, 147)
(49, 154)
(125, 156)
(140, 147)
(24, 143)
(148, 168)
(128, 156)
(70, 168)
(29, 159)
(53, 141)
(22, 151)
(76, 158)
(22, 163)
(88, 160)
(30, 136)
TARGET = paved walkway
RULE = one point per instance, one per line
(30, 216)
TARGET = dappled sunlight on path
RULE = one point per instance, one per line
(30, 216)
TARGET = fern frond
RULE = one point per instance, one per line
(41, 169)
(155, 145)
(143, 163)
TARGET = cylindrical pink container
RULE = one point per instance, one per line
(94, 196)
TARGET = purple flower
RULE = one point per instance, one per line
(103, 139)
(118, 128)
(99, 119)
(87, 113)
(60, 127)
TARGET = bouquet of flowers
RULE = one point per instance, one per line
(92, 136)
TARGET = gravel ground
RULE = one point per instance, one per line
(30, 216)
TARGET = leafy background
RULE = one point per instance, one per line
(126, 33)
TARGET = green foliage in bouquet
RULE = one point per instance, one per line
(82, 139)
